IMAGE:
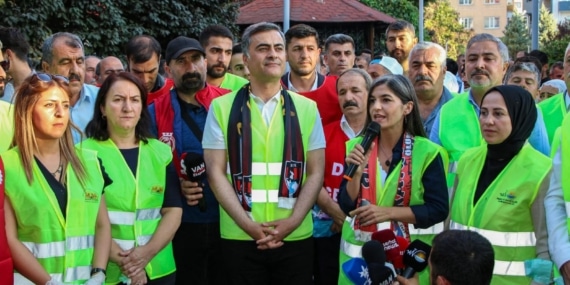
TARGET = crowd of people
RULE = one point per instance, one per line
(214, 163)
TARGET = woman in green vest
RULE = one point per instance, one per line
(56, 219)
(144, 201)
(500, 186)
(400, 184)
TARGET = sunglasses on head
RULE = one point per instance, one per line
(5, 64)
(44, 77)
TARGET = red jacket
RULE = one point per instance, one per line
(6, 265)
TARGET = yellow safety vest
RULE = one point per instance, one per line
(63, 246)
(134, 201)
(267, 148)
(503, 213)
(553, 110)
(423, 153)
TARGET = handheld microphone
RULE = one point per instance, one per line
(373, 254)
(391, 247)
(195, 172)
(416, 258)
(372, 131)
(402, 244)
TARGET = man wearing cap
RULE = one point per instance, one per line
(384, 65)
(178, 120)
(302, 44)
(264, 151)
(427, 69)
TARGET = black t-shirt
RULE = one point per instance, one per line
(172, 191)
(60, 190)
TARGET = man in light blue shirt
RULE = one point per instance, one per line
(485, 66)
(62, 54)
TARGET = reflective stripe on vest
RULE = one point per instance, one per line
(267, 163)
(260, 168)
(510, 268)
(71, 274)
(128, 244)
(55, 249)
(433, 230)
(509, 239)
(128, 218)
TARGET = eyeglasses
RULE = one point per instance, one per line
(5, 64)
(46, 78)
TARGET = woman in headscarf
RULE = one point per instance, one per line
(500, 186)
(56, 219)
(400, 184)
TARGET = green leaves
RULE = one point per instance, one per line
(106, 25)
(516, 34)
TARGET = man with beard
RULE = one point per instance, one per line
(62, 54)
(302, 45)
(427, 72)
(456, 127)
(178, 120)
(400, 39)
(217, 41)
(353, 86)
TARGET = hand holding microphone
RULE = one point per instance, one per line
(358, 154)
(196, 173)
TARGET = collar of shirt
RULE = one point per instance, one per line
(84, 96)
(266, 108)
(348, 131)
(472, 101)
(292, 88)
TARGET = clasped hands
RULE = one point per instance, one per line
(133, 262)
(270, 235)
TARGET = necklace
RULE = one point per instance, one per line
(58, 170)
(387, 162)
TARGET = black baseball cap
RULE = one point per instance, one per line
(180, 45)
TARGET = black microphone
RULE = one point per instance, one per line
(196, 172)
(372, 131)
(416, 258)
(375, 257)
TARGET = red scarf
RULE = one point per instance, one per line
(367, 194)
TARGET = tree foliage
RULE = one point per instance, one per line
(555, 48)
(546, 26)
(402, 9)
(516, 35)
(106, 25)
(442, 23)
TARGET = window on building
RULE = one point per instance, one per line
(491, 1)
(467, 23)
(465, 2)
(491, 22)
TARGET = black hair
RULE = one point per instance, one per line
(14, 40)
(214, 31)
(301, 31)
(97, 127)
(140, 48)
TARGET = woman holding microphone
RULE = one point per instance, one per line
(400, 179)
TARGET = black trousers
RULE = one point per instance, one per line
(292, 263)
(326, 260)
(197, 254)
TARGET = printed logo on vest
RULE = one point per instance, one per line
(293, 174)
(507, 197)
(91, 197)
(157, 189)
(168, 138)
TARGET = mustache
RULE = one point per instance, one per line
(423, 78)
(480, 72)
(220, 64)
(349, 104)
(74, 76)
(191, 75)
